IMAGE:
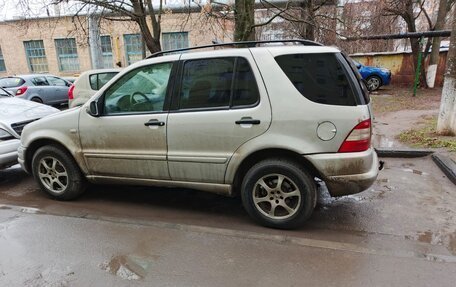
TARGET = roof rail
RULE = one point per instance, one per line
(234, 44)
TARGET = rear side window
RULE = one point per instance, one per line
(40, 81)
(11, 82)
(320, 78)
(99, 80)
(217, 83)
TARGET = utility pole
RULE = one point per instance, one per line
(446, 123)
(95, 42)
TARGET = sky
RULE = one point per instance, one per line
(13, 9)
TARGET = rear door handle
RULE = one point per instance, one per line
(154, 122)
(247, 121)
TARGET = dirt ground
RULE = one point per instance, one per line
(402, 120)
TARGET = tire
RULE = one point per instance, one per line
(373, 83)
(36, 100)
(57, 173)
(291, 211)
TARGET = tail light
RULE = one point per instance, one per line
(70, 92)
(21, 91)
(359, 138)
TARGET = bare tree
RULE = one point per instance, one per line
(444, 8)
(409, 11)
(446, 123)
(141, 12)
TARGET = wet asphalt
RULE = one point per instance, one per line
(400, 232)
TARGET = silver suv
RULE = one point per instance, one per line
(263, 122)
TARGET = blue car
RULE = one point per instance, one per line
(375, 77)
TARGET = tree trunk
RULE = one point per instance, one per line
(446, 123)
(307, 30)
(152, 41)
(434, 58)
(244, 19)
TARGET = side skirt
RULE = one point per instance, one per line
(222, 189)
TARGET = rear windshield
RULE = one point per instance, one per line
(11, 82)
(321, 78)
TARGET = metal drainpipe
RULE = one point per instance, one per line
(418, 66)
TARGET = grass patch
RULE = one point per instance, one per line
(427, 137)
(397, 99)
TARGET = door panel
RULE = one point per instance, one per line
(203, 132)
(129, 139)
(123, 146)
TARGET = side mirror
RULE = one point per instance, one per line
(93, 109)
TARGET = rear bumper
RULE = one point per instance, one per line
(347, 173)
(8, 152)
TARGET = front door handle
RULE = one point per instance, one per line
(247, 121)
(154, 122)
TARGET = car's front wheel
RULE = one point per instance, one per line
(57, 173)
(278, 193)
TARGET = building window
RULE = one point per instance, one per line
(172, 41)
(133, 48)
(2, 62)
(36, 56)
(67, 55)
(106, 51)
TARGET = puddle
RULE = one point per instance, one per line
(128, 267)
(419, 172)
(30, 210)
(447, 239)
(383, 141)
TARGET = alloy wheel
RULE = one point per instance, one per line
(276, 196)
(53, 175)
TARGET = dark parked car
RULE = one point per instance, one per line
(46, 89)
(374, 76)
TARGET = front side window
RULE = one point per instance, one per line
(56, 82)
(217, 83)
(318, 77)
(99, 80)
(141, 90)
(133, 48)
(36, 56)
(67, 54)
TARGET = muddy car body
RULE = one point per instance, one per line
(263, 122)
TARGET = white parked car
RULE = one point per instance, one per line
(262, 122)
(14, 115)
(87, 84)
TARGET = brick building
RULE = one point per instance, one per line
(59, 45)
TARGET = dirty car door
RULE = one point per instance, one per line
(129, 138)
(218, 107)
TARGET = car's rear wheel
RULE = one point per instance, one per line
(36, 100)
(373, 83)
(278, 193)
(57, 173)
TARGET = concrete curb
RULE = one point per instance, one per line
(447, 165)
(408, 153)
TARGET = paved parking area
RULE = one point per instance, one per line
(401, 232)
